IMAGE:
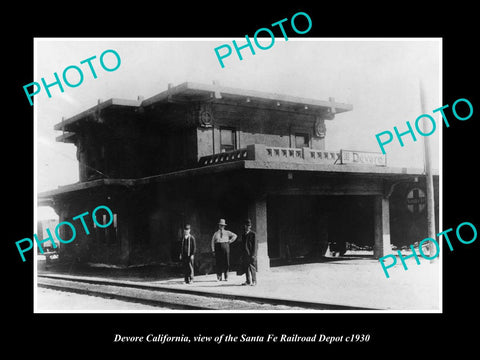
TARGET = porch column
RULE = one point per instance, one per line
(257, 212)
(381, 217)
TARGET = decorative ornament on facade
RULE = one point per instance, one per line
(320, 128)
(205, 118)
(202, 115)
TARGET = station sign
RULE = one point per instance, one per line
(416, 200)
(353, 157)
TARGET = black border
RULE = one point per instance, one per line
(390, 333)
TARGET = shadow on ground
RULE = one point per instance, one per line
(172, 271)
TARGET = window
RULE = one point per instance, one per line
(105, 234)
(228, 139)
(301, 140)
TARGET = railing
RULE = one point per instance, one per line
(321, 156)
(240, 154)
(271, 153)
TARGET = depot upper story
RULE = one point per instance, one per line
(194, 125)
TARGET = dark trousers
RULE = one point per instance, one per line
(222, 259)
(250, 271)
(188, 267)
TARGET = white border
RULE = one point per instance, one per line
(35, 121)
(35, 174)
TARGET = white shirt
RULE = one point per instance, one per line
(223, 236)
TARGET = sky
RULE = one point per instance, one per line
(379, 77)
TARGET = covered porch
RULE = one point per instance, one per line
(297, 207)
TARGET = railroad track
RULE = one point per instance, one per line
(173, 298)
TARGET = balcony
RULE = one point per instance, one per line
(265, 153)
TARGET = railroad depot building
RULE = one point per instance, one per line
(196, 153)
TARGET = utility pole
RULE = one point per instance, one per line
(429, 181)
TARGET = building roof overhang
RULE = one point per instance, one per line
(188, 92)
(94, 111)
(376, 172)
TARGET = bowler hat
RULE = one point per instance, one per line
(187, 227)
(222, 222)
(248, 222)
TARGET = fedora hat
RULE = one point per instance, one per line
(222, 222)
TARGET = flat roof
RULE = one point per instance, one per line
(191, 91)
(362, 170)
(95, 109)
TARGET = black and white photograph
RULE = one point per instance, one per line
(166, 184)
(240, 180)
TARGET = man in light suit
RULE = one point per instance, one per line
(221, 241)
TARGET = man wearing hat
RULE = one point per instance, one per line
(221, 241)
(249, 257)
(187, 251)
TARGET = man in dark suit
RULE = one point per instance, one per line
(249, 247)
(187, 251)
